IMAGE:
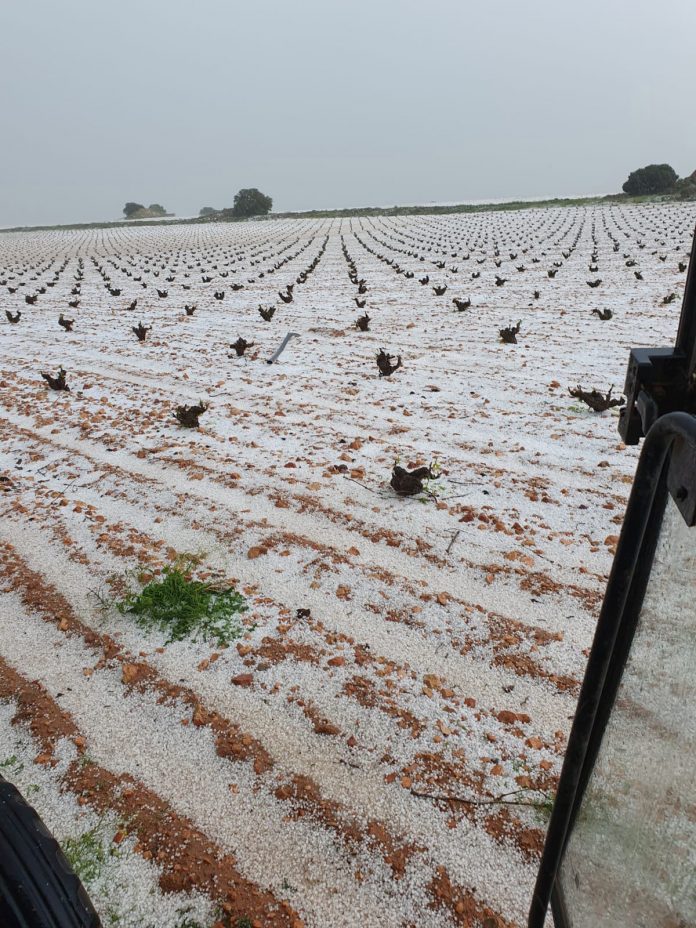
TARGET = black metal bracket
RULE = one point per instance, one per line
(661, 380)
(656, 383)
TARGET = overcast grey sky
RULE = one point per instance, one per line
(323, 104)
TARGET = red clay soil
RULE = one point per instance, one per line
(186, 858)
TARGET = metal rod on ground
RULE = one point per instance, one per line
(454, 538)
(282, 346)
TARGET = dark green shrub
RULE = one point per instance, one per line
(654, 178)
(251, 202)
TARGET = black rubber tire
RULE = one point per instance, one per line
(38, 889)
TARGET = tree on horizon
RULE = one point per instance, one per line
(653, 178)
(130, 209)
(251, 202)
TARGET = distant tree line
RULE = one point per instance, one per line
(247, 202)
(138, 211)
(660, 179)
(651, 180)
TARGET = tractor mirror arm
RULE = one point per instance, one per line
(662, 380)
